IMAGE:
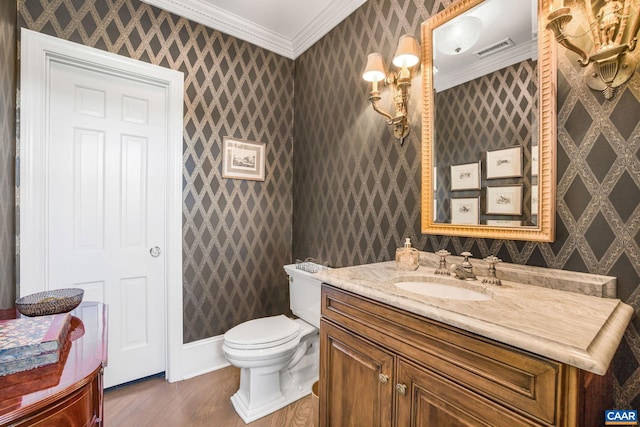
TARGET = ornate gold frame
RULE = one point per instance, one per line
(544, 231)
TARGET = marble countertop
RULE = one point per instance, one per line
(580, 330)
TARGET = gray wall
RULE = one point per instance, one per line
(7, 152)
(236, 234)
(357, 193)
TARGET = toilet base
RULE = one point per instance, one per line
(295, 383)
(286, 398)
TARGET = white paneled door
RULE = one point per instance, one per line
(106, 207)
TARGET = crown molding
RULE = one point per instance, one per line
(219, 19)
(328, 19)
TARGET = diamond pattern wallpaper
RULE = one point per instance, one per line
(339, 187)
(7, 152)
(357, 192)
(236, 234)
(467, 127)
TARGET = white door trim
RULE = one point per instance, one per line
(37, 53)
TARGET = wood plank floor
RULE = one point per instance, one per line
(199, 401)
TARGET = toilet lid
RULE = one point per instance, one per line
(262, 333)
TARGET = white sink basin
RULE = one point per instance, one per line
(438, 290)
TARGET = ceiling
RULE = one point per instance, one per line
(515, 20)
(286, 27)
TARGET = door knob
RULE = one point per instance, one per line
(383, 378)
(401, 389)
(155, 251)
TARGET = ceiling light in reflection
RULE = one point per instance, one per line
(458, 36)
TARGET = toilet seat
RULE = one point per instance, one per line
(262, 333)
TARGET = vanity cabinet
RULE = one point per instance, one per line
(383, 366)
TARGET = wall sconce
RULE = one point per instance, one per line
(407, 56)
(613, 29)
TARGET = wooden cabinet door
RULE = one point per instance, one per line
(432, 400)
(356, 384)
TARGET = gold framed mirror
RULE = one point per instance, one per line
(489, 130)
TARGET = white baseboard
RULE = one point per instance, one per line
(203, 356)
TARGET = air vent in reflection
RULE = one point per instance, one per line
(494, 48)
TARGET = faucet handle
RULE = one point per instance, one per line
(465, 262)
(443, 253)
(492, 260)
(442, 268)
(492, 279)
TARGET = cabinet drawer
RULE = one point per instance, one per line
(76, 410)
(517, 380)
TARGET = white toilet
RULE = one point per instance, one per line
(278, 357)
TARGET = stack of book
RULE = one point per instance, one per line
(30, 342)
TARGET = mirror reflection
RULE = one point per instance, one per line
(484, 127)
(486, 108)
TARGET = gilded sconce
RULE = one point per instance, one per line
(612, 27)
(407, 56)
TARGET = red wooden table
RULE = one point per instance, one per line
(67, 393)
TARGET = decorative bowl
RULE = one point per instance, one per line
(50, 302)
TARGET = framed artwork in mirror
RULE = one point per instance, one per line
(505, 163)
(465, 210)
(242, 159)
(465, 177)
(506, 200)
(504, 222)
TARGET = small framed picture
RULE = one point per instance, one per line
(465, 210)
(506, 163)
(504, 222)
(465, 177)
(435, 179)
(505, 200)
(534, 160)
(243, 159)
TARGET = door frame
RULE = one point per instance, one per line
(38, 51)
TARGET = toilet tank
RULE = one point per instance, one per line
(304, 294)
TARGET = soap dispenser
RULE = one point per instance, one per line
(407, 258)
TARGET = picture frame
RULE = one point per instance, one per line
(504, 222)
(504, 163)
(465, 177)
(465, 210)
(243, 159)
(505, 200)
(435, 179)
(435, 191)
(535, 152)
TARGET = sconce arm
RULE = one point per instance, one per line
(399, 84)
(399, 122)
(374, 98)
(557, 21)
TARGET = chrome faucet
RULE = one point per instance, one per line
(464, 271)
